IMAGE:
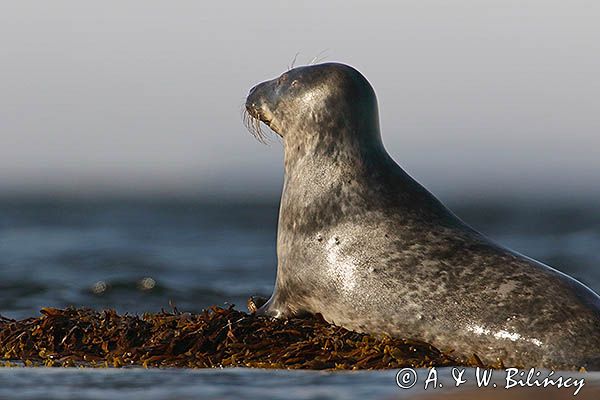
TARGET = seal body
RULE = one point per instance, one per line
(362, 243)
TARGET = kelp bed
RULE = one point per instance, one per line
(217, 337)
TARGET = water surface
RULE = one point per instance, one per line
(140, 256)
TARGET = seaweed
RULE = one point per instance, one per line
(216, 337)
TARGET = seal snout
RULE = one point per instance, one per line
(257, 111)
(256, 104)
(251, 99)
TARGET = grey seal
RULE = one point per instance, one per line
(362, 243)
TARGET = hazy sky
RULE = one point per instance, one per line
(123, 96)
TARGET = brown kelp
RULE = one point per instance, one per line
(216, 337)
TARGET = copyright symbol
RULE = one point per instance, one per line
(406, 378)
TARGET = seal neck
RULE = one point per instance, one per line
(346, 143)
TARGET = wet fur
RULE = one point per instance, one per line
(365, 245)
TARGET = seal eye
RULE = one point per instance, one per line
(294, 83)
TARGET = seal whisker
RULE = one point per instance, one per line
(291, 66)
(319, 57)
(259, 132)
(253, 126)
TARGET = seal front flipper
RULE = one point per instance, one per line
(271, 309)
(254, 303)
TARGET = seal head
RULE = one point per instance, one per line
(362, 243)
(303, 98)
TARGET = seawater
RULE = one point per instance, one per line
(143, 255)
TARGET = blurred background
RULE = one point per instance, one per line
(127, 178)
